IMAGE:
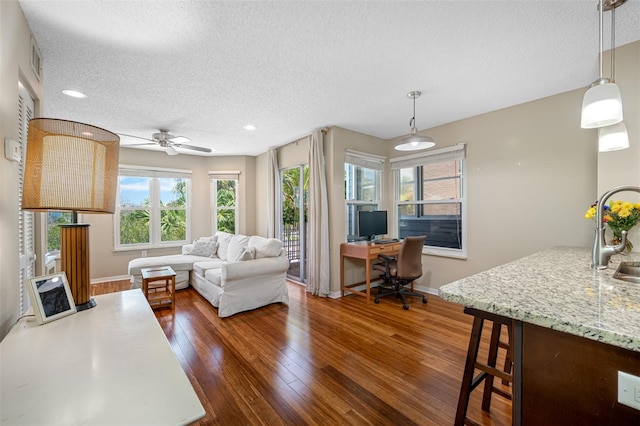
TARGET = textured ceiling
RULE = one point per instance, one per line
(206, 69)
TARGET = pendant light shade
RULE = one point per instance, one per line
(602, 105)
(414, 141)
(613, 138)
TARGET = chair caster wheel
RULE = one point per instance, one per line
(424, 300)
(405, 307)
(376, 301)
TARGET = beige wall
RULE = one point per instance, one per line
(15, 51)
(106, 263)
(623, 167)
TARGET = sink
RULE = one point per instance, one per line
(628, 271)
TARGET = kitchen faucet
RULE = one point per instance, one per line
(601, 251)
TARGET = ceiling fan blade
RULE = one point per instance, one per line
(133, 136)
(193, 147)
(138, 144)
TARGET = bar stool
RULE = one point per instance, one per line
(488, 370)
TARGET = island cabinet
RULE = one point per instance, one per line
(574, 328)
(571, 380)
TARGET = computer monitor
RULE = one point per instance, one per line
(372, 223)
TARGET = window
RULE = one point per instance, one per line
(54, 220)
(362, 182)
(224, 201)
(431, 200)
(153, 208)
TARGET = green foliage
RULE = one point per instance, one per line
(291, 194)
(226, 197)
(54, 220)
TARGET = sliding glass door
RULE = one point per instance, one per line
(294, 183)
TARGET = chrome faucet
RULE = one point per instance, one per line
(601, 251)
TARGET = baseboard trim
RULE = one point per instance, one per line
(110, 279)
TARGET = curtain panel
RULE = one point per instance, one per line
(318, 281)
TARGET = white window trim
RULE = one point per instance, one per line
(154, 230)
(369, 161)
(434, 156)
(213, 196)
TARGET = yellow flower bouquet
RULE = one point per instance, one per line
(619, 216)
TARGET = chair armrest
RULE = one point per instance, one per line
(386, 258)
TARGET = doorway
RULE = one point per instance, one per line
(294, 184)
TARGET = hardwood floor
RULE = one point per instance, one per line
(323, 361)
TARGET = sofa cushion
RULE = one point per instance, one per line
(214, 276)
(201, 267)
(178, 262)
(236, 247)
(265, 247)
(203, 247)
(224, 239)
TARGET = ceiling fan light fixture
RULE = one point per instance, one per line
(180, 139)
(613, 138)
(414, 141)
(171, 150)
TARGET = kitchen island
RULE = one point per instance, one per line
(574, 328)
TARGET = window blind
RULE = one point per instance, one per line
(369, 161)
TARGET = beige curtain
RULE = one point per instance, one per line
(272, 185)
(318, 239)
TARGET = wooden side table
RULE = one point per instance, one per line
(159, 286)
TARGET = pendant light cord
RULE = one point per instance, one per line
(600, 8)
(412, 122)
(613, 44)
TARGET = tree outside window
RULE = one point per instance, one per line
(152, 211)
(225, 194)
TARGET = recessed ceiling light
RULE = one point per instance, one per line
(87, 134)
(249, 127)
(74, 93)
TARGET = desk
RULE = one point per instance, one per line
(367, 251)
(110, 365)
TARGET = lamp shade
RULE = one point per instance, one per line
(70, 167)
(414, 142)
(601, 105)
(613, 138)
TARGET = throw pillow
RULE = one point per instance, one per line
(248, 253)
(223, 244)
(265, 247)
(213, 240)
(236, 246)
(203, 248)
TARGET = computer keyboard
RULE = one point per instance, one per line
(395, 240)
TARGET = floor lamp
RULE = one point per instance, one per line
(71, 167)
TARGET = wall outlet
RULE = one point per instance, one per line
(629, 390)
(144, 253)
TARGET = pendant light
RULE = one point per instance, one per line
(413, 141)
(602, 103)
(614, 137)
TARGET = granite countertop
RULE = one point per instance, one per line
(557, 289)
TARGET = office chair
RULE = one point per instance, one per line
(398, 271)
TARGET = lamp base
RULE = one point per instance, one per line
(84, 306)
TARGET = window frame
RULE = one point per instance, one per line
(214, 177)
(358, 161)
(418, 162)
(155, 209)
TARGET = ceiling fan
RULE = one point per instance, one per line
(168, 141)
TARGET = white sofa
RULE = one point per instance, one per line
(234, 273)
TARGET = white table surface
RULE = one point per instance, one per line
(110, 365)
